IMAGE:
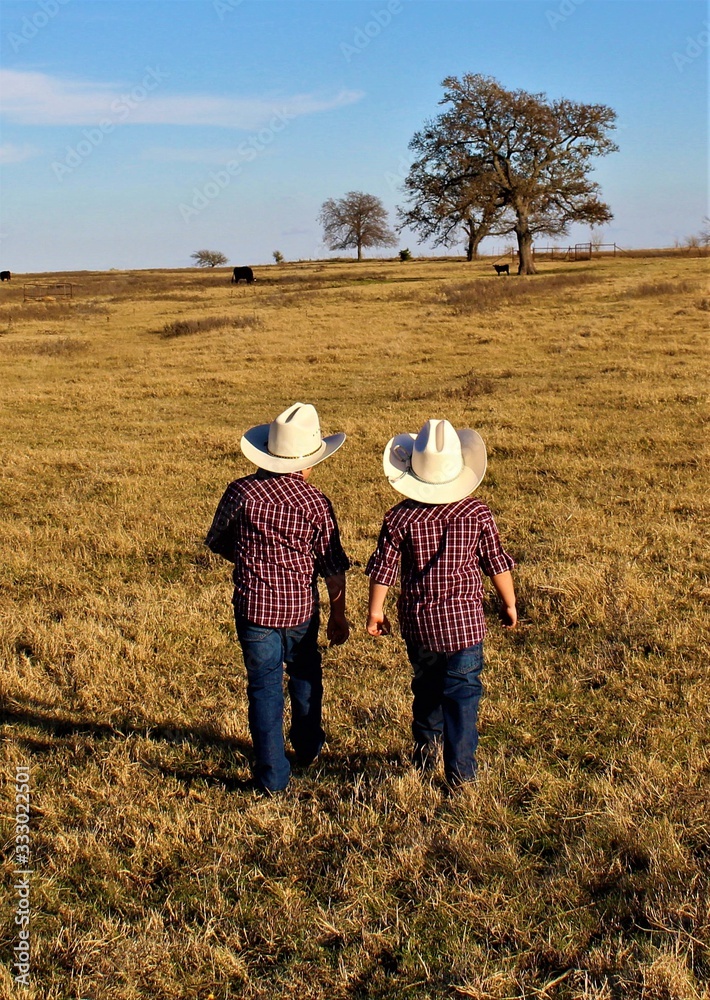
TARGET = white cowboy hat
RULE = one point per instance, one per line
(291, 442)
(438, 465)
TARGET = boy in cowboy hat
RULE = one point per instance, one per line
(281, 533)
(443, 537)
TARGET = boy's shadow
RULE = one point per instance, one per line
(62, 727)
(349, 768)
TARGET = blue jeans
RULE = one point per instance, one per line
(447, 689)
(265, 651)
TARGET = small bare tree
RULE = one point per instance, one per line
(358, 220)
(208, 258)
(596, 238)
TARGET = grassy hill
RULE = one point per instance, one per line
(577, 866)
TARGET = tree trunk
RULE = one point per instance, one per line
(525, 241)
(359, 251)
(474, 237)
(474, 243)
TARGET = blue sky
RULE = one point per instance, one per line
(134, 133)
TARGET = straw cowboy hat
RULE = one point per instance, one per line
(290, 443)
(437, 465)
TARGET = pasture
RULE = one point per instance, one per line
(578, 865)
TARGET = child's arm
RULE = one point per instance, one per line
(377, 623)
(222, 536)
(503, 582)
(338, 628)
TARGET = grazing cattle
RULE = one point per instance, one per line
(5, 275)
(242, 272)
(502, 268)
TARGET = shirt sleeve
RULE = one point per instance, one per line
(383, 564)
(492, 558)
(222, 536)
(330, 557)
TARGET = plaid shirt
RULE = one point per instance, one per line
(280, 533)
(442, 550)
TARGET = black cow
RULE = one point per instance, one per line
(5, 275)
(502, 268)
(242, 272)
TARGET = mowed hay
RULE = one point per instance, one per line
(577, 867)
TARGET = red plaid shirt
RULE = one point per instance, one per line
(280, 532)
(442, 551)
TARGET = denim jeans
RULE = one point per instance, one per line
(447, 689)
(265, 651)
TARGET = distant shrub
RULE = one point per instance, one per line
(479, 296)
(405, 255)
(45, 310)
(175, 297)
(488, 294)
(655, 289)
(186, 327)
(60, 346)
(476, 385)
(278, 256)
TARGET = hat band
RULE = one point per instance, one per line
(440, 482)
(294, 458)
(408, 470)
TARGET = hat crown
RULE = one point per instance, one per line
(295, 433)
(437, 456)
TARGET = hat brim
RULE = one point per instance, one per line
(255, 446)
(397, 463)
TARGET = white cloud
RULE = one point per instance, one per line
(10, 153)
(39, 99)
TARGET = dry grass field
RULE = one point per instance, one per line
(578, 866)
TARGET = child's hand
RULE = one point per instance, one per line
(378, 625)
(337, 630)
(509, 615)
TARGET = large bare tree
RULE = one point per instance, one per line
(534, 153)
(358, 220)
